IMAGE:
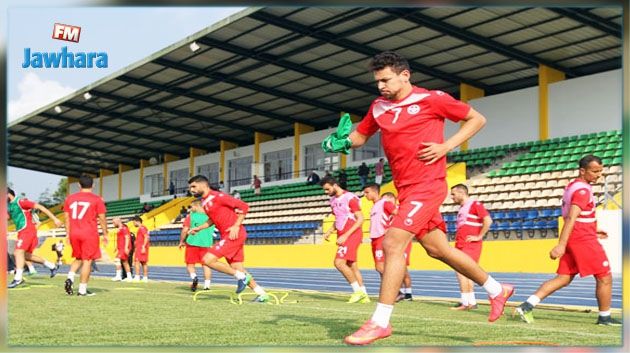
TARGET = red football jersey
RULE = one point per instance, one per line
(469, 220)
(223, 210)
(405, 125)
(141, 234)
(585, 226)
(121, 236)
(82, 209)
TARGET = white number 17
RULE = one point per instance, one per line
(75, 205)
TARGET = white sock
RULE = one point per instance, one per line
(71, 276)
(259, 290)
(363, 289)
(206, 283)
(49, 264)
(471, 298)
(31, 268)
(464, 299)
(18, 274)
(533, 300)
(492, 287)
(239, 275)
(82, 288)
(118, 273)
(193, 275)
(407, 290)
(129, 275)
(355, 286)
(382, 314)
(604, 313)
(137, 277)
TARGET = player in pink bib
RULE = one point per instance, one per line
(579, 249)
(348, 221)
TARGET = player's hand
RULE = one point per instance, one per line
(557, 251)
(143, 250)
(181, 245)
(58, 223)
(327, 236)
(602, 234)
(105, 240)
(192, 231)
(233, 231)
(342, 239)
(432, 152)
(472, 238)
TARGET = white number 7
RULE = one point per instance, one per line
(417, 207)
(397, 114)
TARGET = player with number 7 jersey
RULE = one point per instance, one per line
(82, 210)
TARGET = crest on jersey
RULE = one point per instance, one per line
(408, 221)
(413, 109)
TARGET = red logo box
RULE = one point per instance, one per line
(68, 33)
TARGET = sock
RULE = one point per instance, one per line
(71, 276)
(355, 286)
(259, 290)
(492, 287)
(471, 298)
(239, 275)
(406, 290)
(49, 265)
(129, 275)
(18, 274)
(604, 313)
(382, 314)
(206, 283)
(31, 268)
(137, 277)
(464, 299)
(82, 288)
(363, 289)
(118, 273)
(193, 275)
(533, 300)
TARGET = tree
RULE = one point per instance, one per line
(59, 196)
(45, 198)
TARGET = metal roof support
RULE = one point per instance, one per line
(121, 169)
(38, 149)
(476, 39)
(223, 147)
(590, 19)
(328, 37)
(298, 129)
(259, 138)
(546, 76)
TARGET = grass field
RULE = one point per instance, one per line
(164, 314)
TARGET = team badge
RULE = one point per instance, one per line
(413, 109)
(408, 221)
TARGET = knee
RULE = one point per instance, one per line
(392, 247)
(340, 264)
(604, 280)
(435, 252)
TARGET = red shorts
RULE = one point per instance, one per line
(26, 241)
(472, 249)
(348, 251)
(586, 258)
(379, 255)
(194, 254)
(85, 247)
(419, 210)
(232, 250)
(142, 256)
(121, 254)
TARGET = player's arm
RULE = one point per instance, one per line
(50, 215)
(472, 123)
(565, 233)
(358, 139)
(359, 216)
(67, 221)
(127, 243)
(329, 232)
(103, 221)
(184, 233)
(487, 222)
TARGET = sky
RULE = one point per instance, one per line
(127, 34)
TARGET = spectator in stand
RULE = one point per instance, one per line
(256, 185)
(183, 212)
(343, 179)
(146, 208)
(379, 170)
(363, 173)
(171, 188)
(221, 186)
(236, 194)
(313, 178)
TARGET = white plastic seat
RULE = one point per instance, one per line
(552, 183)
(541, 203)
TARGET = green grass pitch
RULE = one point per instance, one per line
(164, 314)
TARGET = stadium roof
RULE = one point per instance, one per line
(264, 69)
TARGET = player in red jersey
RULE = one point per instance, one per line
(411, 120)
(123, 247)
(473, 222)
(142, 250)
(83, 209)
(227, 214)
(20, 212)
(348, 221)
(578, 246)
(381, 215)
